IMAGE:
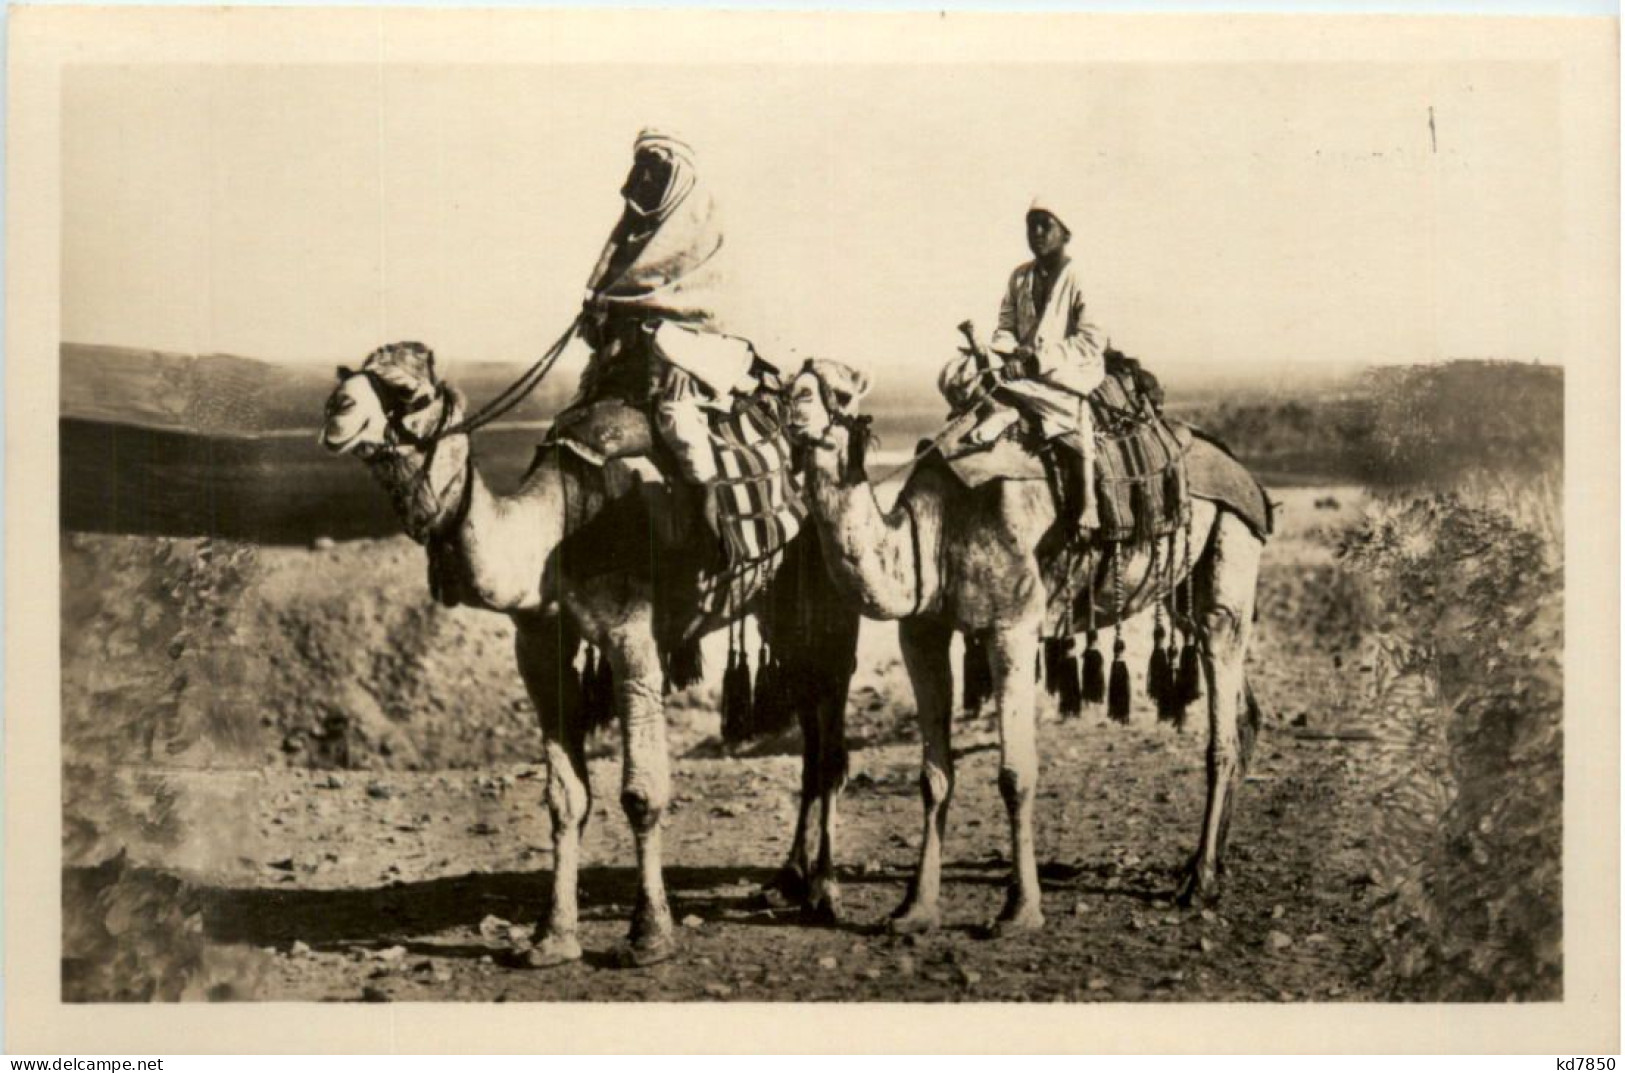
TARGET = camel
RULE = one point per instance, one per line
(567, 556)
(987, 562)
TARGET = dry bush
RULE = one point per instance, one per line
(129, 934)
(1465, 612)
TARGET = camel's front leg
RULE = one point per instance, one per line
(544, 647)
(645, 782)
(1231, 576)
(1011, 653)
(789, 886)
(824, 890)
(925, 654)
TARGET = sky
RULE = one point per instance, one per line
(1222, 214)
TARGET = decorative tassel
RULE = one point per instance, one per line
(1067, 684)
(1189, 686)
(685, 666)
(732, 714)
(1118, 701)
(1158, 681)
(1052, 666)
(1169, 707)
(770, 709)
(1094, 671)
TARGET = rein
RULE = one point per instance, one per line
(515, 392)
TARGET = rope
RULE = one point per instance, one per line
(515, 392)
(1117, 600)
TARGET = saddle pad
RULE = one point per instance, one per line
(1215, 475)
(975, 465)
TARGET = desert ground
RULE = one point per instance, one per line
(374, 828)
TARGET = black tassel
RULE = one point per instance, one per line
(1094, 671)
(1068, 686)
(739, 718)
(1169, 707)
(1158, 677)
(770, 708)
(732, 716)
(685, 665)
(1052, 666)
(1118, 700)
(1189, 686)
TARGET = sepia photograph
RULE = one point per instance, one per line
(681, 508)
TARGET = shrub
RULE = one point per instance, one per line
(1465, 615)
(129, 934)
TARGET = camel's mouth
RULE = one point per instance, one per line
(348, 443)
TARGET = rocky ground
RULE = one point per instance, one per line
(382, 836)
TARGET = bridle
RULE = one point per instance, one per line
(421, 506)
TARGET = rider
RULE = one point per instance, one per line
(1052, 359)
(650, 312)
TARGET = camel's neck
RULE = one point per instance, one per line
(874, 556)
(503, 543)
(485, 550)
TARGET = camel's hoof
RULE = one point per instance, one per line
(1195, 892)
(915, 921)
(822, 912)
(552, 951)
(641, 953)
(785, 891)
(1017, 920)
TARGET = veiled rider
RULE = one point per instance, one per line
(651, 313)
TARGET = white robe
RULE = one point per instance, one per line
(1067, 346)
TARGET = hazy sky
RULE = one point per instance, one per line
(1223, 212)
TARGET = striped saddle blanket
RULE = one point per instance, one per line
(1141, 487)
(759, 509)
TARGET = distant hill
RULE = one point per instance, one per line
(222, 394)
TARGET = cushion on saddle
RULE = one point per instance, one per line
(602, 430)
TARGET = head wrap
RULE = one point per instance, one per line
(662, 261)
(681, 180)
(1063, 215)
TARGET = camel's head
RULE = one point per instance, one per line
(393, 398)
(821, 411)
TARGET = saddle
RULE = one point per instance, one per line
(1141, 487)
(759, 510)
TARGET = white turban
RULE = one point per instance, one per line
(1049, 205)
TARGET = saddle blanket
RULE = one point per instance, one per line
(760, 511)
